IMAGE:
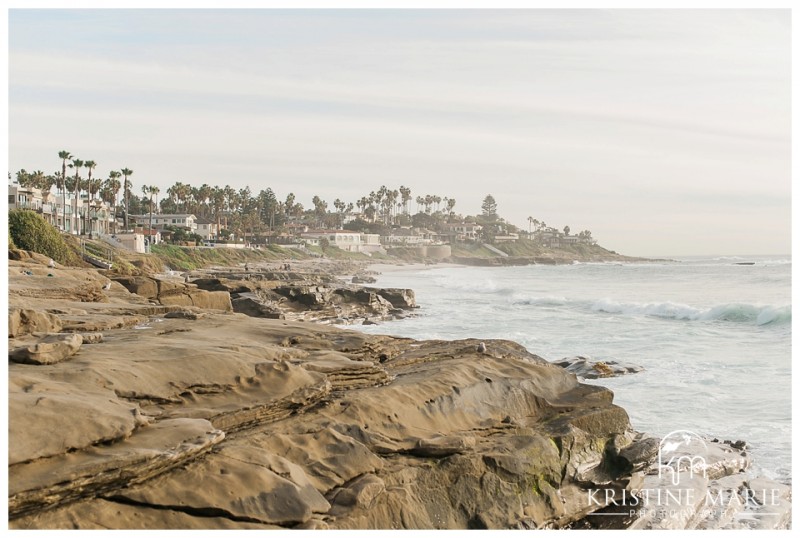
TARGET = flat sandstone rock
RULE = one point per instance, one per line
(49, 350)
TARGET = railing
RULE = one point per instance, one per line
(97, 256)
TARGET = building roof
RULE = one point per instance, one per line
(331, 232)
(173, 215)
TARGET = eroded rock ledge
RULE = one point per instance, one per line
(188, 418)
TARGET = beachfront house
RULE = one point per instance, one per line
(160, 221)
(405, 237)
(345, 240)
(206, 228)
(80, 216)
(461, 231)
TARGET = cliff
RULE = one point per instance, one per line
(127, 410)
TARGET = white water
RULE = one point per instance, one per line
(714, 337)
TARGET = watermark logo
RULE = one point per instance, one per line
(678, 487)
(681, 451)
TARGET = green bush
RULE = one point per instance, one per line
(29, 231)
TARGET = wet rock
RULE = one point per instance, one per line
(640, 453)
(586, 368)
(398, 297)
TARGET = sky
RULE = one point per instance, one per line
(664, 132)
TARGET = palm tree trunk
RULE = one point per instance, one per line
(127, 206)
(150, 232)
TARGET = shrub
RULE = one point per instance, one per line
(29, 231)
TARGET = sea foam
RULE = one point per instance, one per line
(732, 312)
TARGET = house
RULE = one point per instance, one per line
(345, 240)
(206, 228)
(130, 241)
(406, 237)
(80, 215)
(461, 231)
(151, 236)
(296, 228)
(161, 221)
(506, 238)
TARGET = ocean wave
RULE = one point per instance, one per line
(732, 312)
(541, 301)
(483, 285)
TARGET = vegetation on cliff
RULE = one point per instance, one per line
(29, 231)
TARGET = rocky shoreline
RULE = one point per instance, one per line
(156, 402)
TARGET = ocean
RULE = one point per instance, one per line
(713, 335)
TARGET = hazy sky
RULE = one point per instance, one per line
(664, 132)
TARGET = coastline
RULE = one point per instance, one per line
(396, 407)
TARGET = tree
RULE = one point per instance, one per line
(218, 204)
(77, 164)
(268, 207)
(64, 155)
(340, 207)
(289, 204)
(451, 203)
(112, 187)
(320, 209)
(489, 208)
(89, 165)
(126, 190)
(152, 190)
(566, 230)
(405, 194)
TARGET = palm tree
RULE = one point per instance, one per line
(64, 155)
(451, 203)
(89, 185)
(152, 190)
(126, 190)
(77, 164)
(405, 192)
(204, 194)
(112, 185)
(218, 204)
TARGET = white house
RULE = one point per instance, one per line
(405, 237)
(345, 240)
(206, 228)
(161, 221)
(80, 215)
(462, 230)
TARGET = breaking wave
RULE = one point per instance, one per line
(733, 312)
